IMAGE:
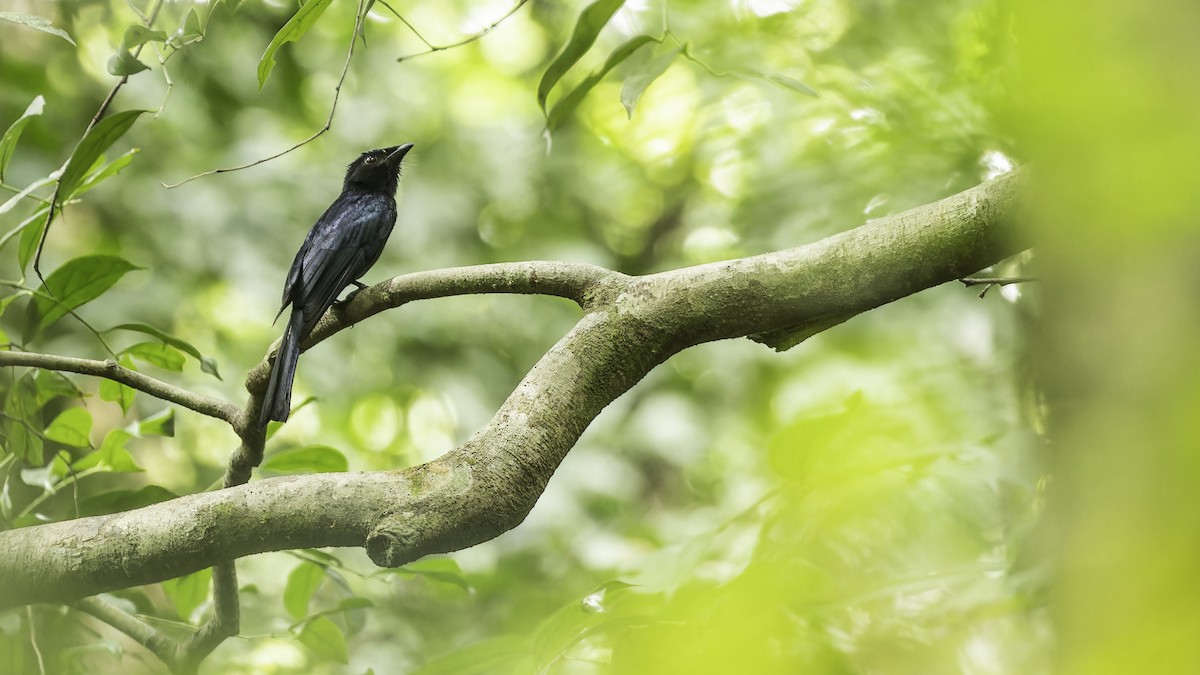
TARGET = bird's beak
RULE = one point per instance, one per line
(398, 153)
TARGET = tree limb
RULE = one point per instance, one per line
(488, 485)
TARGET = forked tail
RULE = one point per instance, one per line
(277, 402)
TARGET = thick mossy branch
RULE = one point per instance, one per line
(487, 486)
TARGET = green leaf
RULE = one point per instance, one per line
(571, 100)
(636, 84)
(293, 30)
(106, 132)
(52, 385)
(323, 636)
(207, 364)
(112, 455)
(31, 236)
(590, 22)
(124, 500)
(792, 83)
(445, 570)
(137, 34)
(47, 476)
(79, 281)
(306, 459)
(104, 173)
(122, 64)
(72, 427)
(9, 141)
(302, 582)
(189, 592)
(12, 653)
(498, 654)
(35, 22)
(21, 409)
(115, 391)
(157, 354)
(159, 424)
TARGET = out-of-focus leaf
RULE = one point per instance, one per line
(106, 132)
(445, 570)
(137, 34)
(72, 427)
(349, 604)
(122, 63)
(325, 639)
(16, 199)
(792, 83)
(124, 500)
(492, 656)
(305, 459)
(111, 456)
(207, 364)
(9, 141)
(115, 391)
(187, 593)
(157, 354)
(591, 20)
(636, 84)
(21, 406)
(52, 385)
(79, 281)
(304, 19)
(35, 22)
(47, 476)
(31, 236)
(571, 100)
(302, 582)
(159, 424)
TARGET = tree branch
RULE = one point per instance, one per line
(111, 370)
(489, 484)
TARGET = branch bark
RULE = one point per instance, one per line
(488, 485)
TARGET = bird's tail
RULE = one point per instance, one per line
(277, 402)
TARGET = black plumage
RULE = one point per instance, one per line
(344, 244)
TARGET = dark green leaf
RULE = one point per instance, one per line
(9, 141)
(293, 30)
(52, 385)
(112, 455)
(72, 427)
(323, 636)
(79, 281)
(207, 364)
(571, 100)
(158, 424)
(99, 139)
(636, 84)
(31, 236)
(302, 582)
(115, 391)
(124, 500)
(590, 22)
(188, 593)
(157, 354)
(306, 459)
(348, 604)
(21, 408)
(35, 22)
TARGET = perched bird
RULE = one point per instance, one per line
(340, 248)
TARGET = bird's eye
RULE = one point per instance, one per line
(371, 159)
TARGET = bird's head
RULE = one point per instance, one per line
(377, 170)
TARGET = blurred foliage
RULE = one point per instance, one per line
(859, 504)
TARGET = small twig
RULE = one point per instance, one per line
(37, 652)
(69, 310)
(465, 41)
(337, 91)
(159, 643)
(988, 282)
(111, 370)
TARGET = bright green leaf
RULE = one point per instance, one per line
(77, 282)
(189, 592)
(306, 459)
(498, 654)
(207, 364)
(157, 354)
(137, 34)
(324, 638)
(47, 476)
(9, 141)
(112, 455)
(52, 385)
(636, 84)
(104, 173)
(302, 582)
(106, 132)
(35, 22)
(293, 30)
(590, 22)
(72, 427)
(159, 424)
(115, 391)
(571, 100)
(122, 64)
